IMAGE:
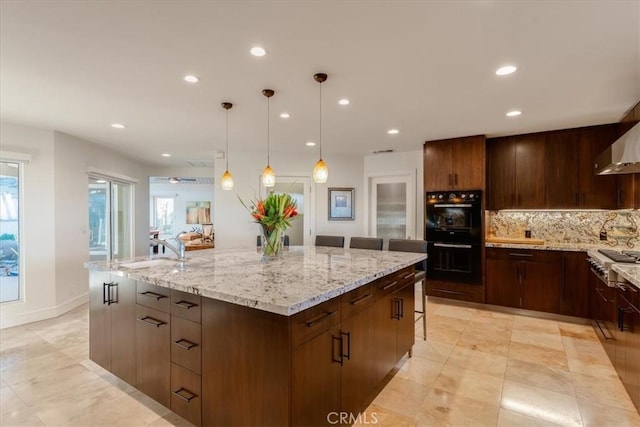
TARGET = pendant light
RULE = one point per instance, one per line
(320, 170)
(268, 175)
(227, 180)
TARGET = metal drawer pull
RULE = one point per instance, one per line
(185, 394)
(451, 245)
(359, 300)
(153, 295)
(150, 320)
(313, 322)
(390, 285)
(515, 254)
(408, 276)
(185, 304)
(186, 344)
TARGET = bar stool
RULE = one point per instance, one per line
(366, 243)
(332, 241)
(419, 246)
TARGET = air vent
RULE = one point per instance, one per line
(389, 150)
(200, 163)
(181, 180)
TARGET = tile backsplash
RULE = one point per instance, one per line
(567, 226)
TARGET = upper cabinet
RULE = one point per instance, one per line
(455, 164)
(515, 172)
(551, 170)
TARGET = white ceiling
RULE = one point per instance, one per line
(424, 67)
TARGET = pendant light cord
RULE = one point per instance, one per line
(227, 156)
(268, 131)
(321, 120)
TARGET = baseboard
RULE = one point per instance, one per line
(44, 313)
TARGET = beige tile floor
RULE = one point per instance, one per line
(476, 368)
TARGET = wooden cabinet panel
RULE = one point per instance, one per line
(597, 191)
(186, 306)
(186, 399)
(562, 169)
(456, 164)
(530, 168)
(541, 284)
(153, 353)
(186, 348)
(152, 296)
(315, 381)
(123, 329)
(385, 336)
(503, 287)
(99, 319)
(315, 320)
(501, 172)
(406, 321)
(357, 375)
(574, 298)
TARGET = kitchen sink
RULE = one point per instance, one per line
(161, 262)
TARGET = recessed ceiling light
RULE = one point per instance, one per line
(393, 131)
(191, 79)
(285, 115)
(101, 181)
(258, 51)
(514, 113)
(506, 70)
(310, 144)
(118, 125)
(166, 155)
(343, 101)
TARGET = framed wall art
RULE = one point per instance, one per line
(341, 206)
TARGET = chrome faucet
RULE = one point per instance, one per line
(179, 251)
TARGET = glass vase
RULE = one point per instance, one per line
(272, 243)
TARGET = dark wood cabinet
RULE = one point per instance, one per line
(627, 340)
(574, 297)
(112, 342)
(524, 278)
(153, 331)
(516, 172)
(456, 163)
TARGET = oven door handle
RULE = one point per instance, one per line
(451, 245)
(453, 205)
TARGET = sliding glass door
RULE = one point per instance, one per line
(110, 213)
(9, 231)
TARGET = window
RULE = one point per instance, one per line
(164, 208)
(10, 202)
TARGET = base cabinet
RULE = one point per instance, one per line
(153, 330)
(112, 342)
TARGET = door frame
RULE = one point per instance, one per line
(309, 203)
(410, 177)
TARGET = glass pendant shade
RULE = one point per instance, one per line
(227, 181)
(268, 177)
(320, 172)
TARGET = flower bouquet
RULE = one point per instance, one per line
(273, 214)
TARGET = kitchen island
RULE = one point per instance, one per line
(223, 339)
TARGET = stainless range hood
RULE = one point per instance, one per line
(623, 156)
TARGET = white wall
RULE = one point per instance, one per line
(37, 240)
(55, 218)
(235, 227)
(375, 164)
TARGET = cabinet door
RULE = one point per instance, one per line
(99, 319)
(153, 353)
(562, 168)
(468, 162)
(406, 322)
(316, 369)
(438, 174)
(541, 284)
(358, 379)
(574, 297)
(385, 335)
(123, 329)
(501, 171)
(530, 168)
(503, 287)
(597, 191)
(633, 358)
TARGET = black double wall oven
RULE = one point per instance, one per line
(453, 232)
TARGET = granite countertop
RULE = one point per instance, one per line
(631, 272)
(304, 277)
(556, 246)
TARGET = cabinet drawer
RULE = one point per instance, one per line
(357, 300)
(186, 344)
(315, 320)
(186, 305)
(153, 331)
(152, 296)
(391, 283)
(532, 255)
(186, 398)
